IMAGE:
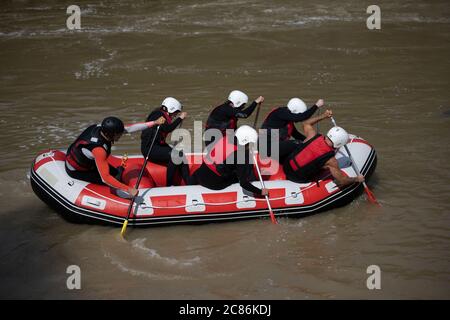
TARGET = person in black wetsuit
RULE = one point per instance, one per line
(283, 119)
(227, 114)
(318, 152)
(87, 157)
(161, 152)
(228, 162)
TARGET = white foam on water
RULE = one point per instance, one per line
(140, 273)
(95, 68)
(139, 245)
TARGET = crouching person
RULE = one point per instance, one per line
(87, 157)
(228, 162)
(318, 152)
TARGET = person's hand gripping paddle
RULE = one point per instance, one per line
(370, 195)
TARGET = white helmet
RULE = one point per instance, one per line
(246, 134)
(296, 105)
(238, 98)
(338, 136)
(172, 104)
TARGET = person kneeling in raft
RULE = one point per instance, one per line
(87, 157)
(229, 162)
(318, 152)
(227, 114)
(161, 153)
(283, 118)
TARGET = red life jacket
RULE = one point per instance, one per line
(285, 132)
(219, 153)
(213, 123)
(89, 139)
(290, 129)
(311, 156)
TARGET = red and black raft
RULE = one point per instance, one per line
(157, 204)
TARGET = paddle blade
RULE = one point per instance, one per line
(371, 196)
(272, 217)
(124, 228)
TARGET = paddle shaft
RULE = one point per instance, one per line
(141, 173)
(317, 124)
(272, 216)
(257, 115)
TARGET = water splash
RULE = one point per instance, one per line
(139, 245)
(141, 273)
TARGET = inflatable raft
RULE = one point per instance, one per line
(80, 201)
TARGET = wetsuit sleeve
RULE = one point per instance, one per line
(246, 112)
(130, 128)
(170, 127)
(103, 168)
(243, 172)
(297, 134)
(286, 115)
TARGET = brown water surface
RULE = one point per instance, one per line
(391, 86)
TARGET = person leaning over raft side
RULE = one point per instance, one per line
(283, 119)
(222, 165)
(161, 151)
(318, 152)
(227, 114)
(87, 157)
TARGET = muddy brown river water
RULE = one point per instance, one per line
(390, 86)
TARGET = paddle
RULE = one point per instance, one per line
(272, 216)
(317, 124)
(369, 193)
(125, 223)
(257, 115)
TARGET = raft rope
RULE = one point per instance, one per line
(146, 206)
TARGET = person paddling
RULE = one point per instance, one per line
(229, 161)
(171, 110)
(87, 157)
(227, 114)
(318, 152)
(284, 119)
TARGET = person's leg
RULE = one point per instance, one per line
(160, 153)
(163, 154)
(209, 179)
(183, 167)
(91, 176)
(192, 180)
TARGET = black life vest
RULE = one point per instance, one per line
(89, 139)
(222, 125)
(310, 157)
(147, 134)
(285, 132)
(215, 158)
